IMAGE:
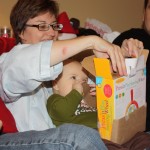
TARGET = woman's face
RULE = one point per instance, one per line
(147, 17)
(32, 35)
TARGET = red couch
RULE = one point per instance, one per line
(6, 44)
(9, 125)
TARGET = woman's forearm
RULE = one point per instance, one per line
(62, 50)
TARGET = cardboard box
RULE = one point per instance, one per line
(121, 101)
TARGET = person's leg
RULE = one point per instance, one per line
(65, 137)
(140, 141)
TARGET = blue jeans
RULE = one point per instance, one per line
(65, 137)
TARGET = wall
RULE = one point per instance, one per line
(118, 14)
(5, 8)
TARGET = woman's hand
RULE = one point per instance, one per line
(132, 48)
(104, 49)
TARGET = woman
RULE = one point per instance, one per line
(37, 59)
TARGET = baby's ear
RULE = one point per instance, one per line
(55, 86)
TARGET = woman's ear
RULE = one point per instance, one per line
(21, 35)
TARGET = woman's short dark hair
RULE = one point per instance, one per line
(24, 10)
(145, 3)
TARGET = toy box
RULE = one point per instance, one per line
(121, 101)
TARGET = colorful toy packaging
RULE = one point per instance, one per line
(121, 101)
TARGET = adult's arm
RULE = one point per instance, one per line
(101, 48)
(24, 68)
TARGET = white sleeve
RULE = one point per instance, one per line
(26, 67)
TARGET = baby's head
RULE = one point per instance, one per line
(72, 73)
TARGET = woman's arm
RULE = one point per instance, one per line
(68, 48)
(62, 50)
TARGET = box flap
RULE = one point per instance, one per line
(88, 64)
(134, 64)
(145, 52)
(103, 68)
(102, 65)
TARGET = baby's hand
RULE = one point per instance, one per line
(78, 86)
(92, 89)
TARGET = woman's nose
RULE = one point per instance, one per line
(52, 34)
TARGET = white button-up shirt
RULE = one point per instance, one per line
(23, 72)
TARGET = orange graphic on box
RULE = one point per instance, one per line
(133, 105)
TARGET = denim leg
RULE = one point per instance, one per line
(65, 137)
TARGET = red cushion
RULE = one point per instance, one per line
(3, 45)
(6, 44)
(64, 20)
(9, 124)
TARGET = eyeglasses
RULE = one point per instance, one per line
(45, 27)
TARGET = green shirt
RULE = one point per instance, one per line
(62, 110)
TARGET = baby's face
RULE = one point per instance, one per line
(72, 73)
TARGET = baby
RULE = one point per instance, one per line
(65, 104)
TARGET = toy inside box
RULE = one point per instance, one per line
(121, 101)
